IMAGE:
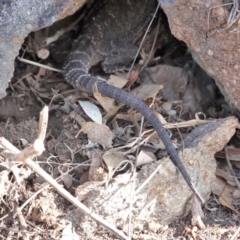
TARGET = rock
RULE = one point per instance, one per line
(202, 26)
(165, 197)
(18, 19)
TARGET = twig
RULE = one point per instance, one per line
(209, 10)
(30, 199)
(38, 64)
(133, 181)
(144, 37)
(23, 224)
(148, 179)
(234, 14)
(35, 150)
(235, 234)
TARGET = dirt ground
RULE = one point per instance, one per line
(68, 151)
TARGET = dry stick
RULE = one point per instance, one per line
(35, 150)
(144, 37)
(209, 10)
(23, 224)
(133, 180)
(30, 199)
(235, 234)
(43, 188)
(231, 169)
(134, 171)
(148, 179)
(234, 14)
(38, 64)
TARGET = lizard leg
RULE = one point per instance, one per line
(121, 54)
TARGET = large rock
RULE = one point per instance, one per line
(164, 196)
(18, 19)
(202, 26)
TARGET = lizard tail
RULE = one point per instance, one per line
(82, 80)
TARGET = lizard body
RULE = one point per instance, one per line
(108, 38)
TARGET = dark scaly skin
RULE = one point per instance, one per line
(109, 38)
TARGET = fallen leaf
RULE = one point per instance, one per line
(92, 111)
(113, 159)
(129, 117)
(98, 134)
(146, 91)
(96, 173)
(233, 153)
(77, 117)
(157, 142)
(226, 198)
(144, 158)
(67, 180)
(108, 103)
(117, 81)
(218, 186)
(82, 191)
(236, 164)
(225, 175)
(133, 77)
(167, 106)
(225, 193)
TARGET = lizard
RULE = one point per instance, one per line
(109, 38)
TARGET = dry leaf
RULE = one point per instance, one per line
(117, 81)
(157, 142)
(113, 159)
(82, 191)
(146, 91)
(225, 175)
(167, 106)
(236, 196)
(233, 153)
(144, 158)
(77, 117)
(226, 198)
(84, 178)
(67, 180)
(119, 131)
(133, 77)
(218, 186)
(129, 117)
(98, 134)
(108, 103)
(236, 164)
(225, 193)
(112, 112)
(95, 164)
(92, 111)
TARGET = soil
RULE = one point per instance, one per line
(48, 214)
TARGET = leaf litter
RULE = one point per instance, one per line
(116, 146)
